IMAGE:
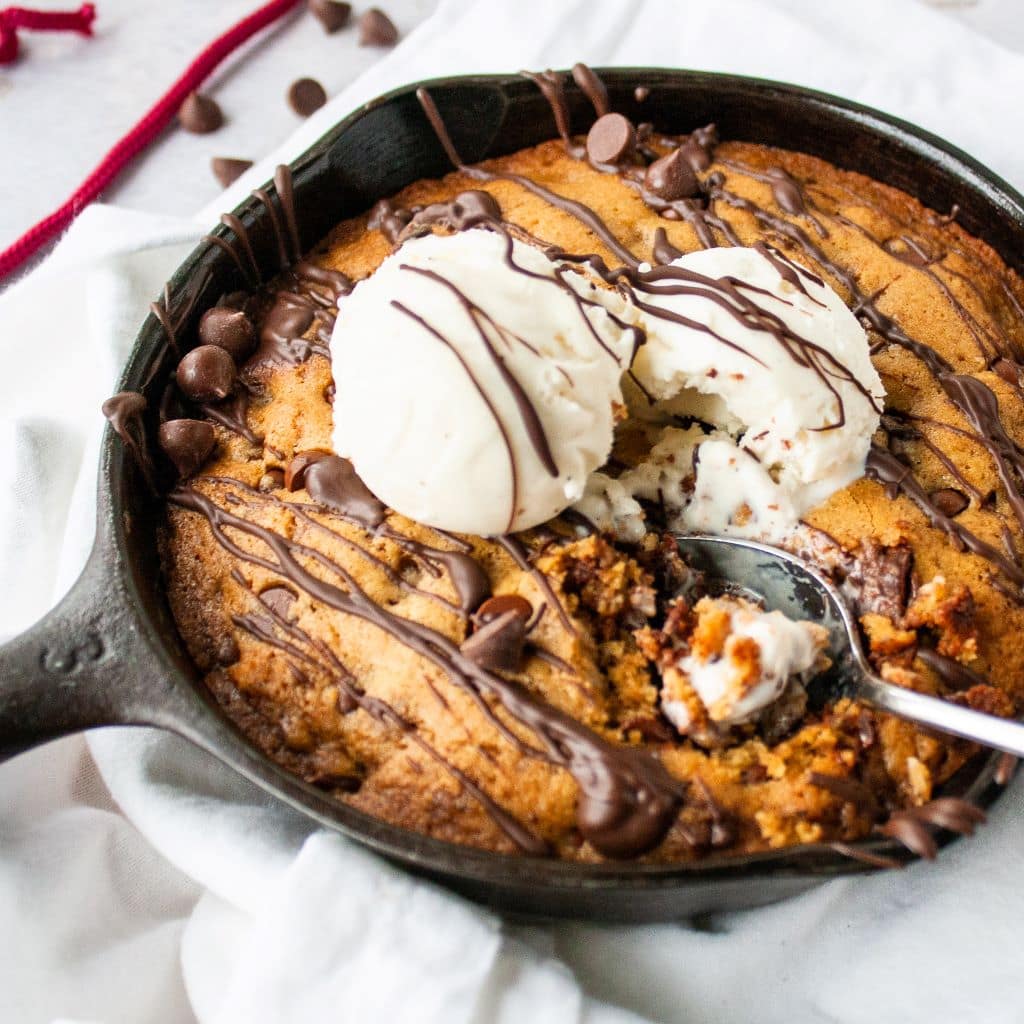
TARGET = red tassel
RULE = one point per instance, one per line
(151, 125)
(13, 18)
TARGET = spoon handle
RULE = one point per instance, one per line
(988, 730)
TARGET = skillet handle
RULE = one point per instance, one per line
(80, 667)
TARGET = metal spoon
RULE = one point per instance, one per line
(790, 585)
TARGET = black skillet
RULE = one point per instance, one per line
(110, 654)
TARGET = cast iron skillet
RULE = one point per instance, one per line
(110, 654)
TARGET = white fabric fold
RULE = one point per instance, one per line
(207, 898)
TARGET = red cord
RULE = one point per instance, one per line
(13, 18)
(151, 125)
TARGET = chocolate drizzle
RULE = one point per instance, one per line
(125, 411)
(912, 827)
(627, 800)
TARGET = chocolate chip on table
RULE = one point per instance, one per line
(376, 29)
(306, 96)
(200, 114)
(229, 329)
(206, 374)
(187, 443)
(611, 138)
(227, 169)
(671, 177)
(331, 14)
(498, 645)
(949, 501)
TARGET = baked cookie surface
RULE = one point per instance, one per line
(361, 650)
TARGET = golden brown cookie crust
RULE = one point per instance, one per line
(748, 796)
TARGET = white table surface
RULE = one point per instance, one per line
(68, 99)
(61, 108)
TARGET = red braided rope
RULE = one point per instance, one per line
(151, 125)
(13, 18)
(59, 21)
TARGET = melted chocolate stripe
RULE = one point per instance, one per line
(229, 220)
(884, 467)
(484, 397)
(981, 407)
(231, 251)
(286, 196)
(531, 420)
(912, 433)
(919, 260)
(552, 86)
(583, 213)
(275, 222)
(426, 101)
(159, 310)
(592, 87)
(518, 553)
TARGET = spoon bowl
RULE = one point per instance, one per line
(785, 583)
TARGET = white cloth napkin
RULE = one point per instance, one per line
(209, 900)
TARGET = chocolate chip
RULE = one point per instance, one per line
(671, 177)
(200, 114)
(697, 156)
(949, 501)
(187, 443)
(498, 645)
(331, 14)
(640, 93)
(501, 604)
(332, 781)
(786, 190)
(653, 729)
(333, 481)
(227, 652)
(272, 480)
(295, 474)
(206, 374)
(279, 599)
(880, 579)
(1008, 370)
(229, 329)
(306, 96)
(611, 138)
(123, 408)
(376, 29)
(227, 169)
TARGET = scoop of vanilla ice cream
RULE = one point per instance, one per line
(477, 381)
(761, 653)
(787, 392)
